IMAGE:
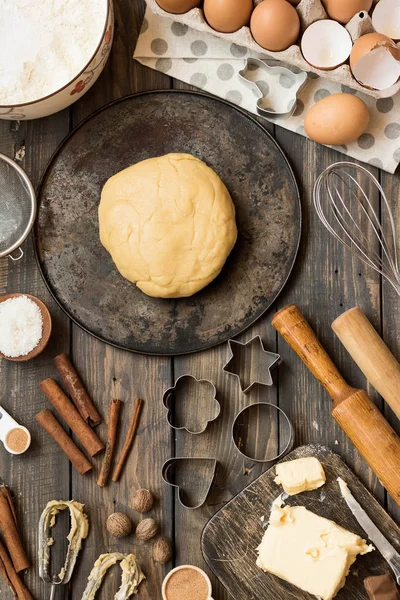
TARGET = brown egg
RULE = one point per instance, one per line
(337, 119)
(366, 43)
(344, 10)
(227, 16)
(178, 7)
(275, 25)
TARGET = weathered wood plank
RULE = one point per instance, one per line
(42, 474)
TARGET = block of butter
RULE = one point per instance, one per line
(308, 551)
(300, 475)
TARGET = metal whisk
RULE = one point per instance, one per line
(343, 205)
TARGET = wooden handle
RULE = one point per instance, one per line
(373, 437)
(355, 412)
(293, 327)
(371, 354)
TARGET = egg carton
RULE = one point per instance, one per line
(309, 12)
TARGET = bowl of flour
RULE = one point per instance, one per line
(51, 53)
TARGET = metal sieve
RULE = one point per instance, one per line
(17, 207)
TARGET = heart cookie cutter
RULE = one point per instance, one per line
(266, 81)
(172, 476)
(203, 396)
(260, 365)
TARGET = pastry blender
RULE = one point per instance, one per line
(79, 531)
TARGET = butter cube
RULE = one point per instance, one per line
(300, 475)
(309, 551)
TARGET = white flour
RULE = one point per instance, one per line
(44, 44)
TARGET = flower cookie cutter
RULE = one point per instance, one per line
(191, 404)
(260, 365)
(276, 87)
(190, 483)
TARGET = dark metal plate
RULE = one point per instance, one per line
(80, 273)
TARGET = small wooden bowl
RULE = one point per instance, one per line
(46, 328)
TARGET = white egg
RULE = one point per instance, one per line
(326, 44)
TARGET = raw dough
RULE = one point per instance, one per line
(309, 551)
(300, 475)
(168, 223)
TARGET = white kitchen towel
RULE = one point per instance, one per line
(213, 65)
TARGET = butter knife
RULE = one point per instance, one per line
(388, 552)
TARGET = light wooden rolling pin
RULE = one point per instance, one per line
(371, 354)
(355, 412)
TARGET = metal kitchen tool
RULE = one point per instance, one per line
(17, 207)
(278, 432)
(250, 363)
(191, 404)
(192, 492)
(268, 82)
(352, 408)
(344, 207)
(388, 552)
(7, 425)
(369, 351)
(79, 531)
(78, 270)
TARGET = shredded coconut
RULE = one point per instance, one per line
(21, 326)
(45, 44)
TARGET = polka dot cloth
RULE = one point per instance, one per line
(213, 64)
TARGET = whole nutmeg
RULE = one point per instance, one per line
(142, 500)
(119, 525)
(146, 529)
(162, 550)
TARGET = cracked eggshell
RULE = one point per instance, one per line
(227, 16)
(326, 45)
(275, 25)
(386, 18)
(344, 10)
(375, 61)
(337, 119)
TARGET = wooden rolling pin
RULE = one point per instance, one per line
(355, 412)
(371, 354)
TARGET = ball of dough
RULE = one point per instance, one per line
(168, 223)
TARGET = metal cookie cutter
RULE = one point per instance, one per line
(258, 370)
(276, 87)
(79, 531)
(277, 431)
(190, 483)
(200, 394)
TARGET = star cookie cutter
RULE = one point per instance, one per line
(260, 366)
(192, 492)
(266, 81)
(202, 394)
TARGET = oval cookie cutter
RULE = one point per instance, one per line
(262, 363)
(282, 422)
(264, 80)
(202, 393)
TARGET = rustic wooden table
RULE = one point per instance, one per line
(325, 282)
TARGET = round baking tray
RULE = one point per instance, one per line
(80, 273)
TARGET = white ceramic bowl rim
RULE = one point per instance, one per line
(8, 106)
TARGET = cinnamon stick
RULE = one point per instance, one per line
(48, 421)
(71, 416)
(115, 407)
(11, 577)
(129, 439)
(76, 390)
(9, 528)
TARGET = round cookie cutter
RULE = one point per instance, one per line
(282, 424)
